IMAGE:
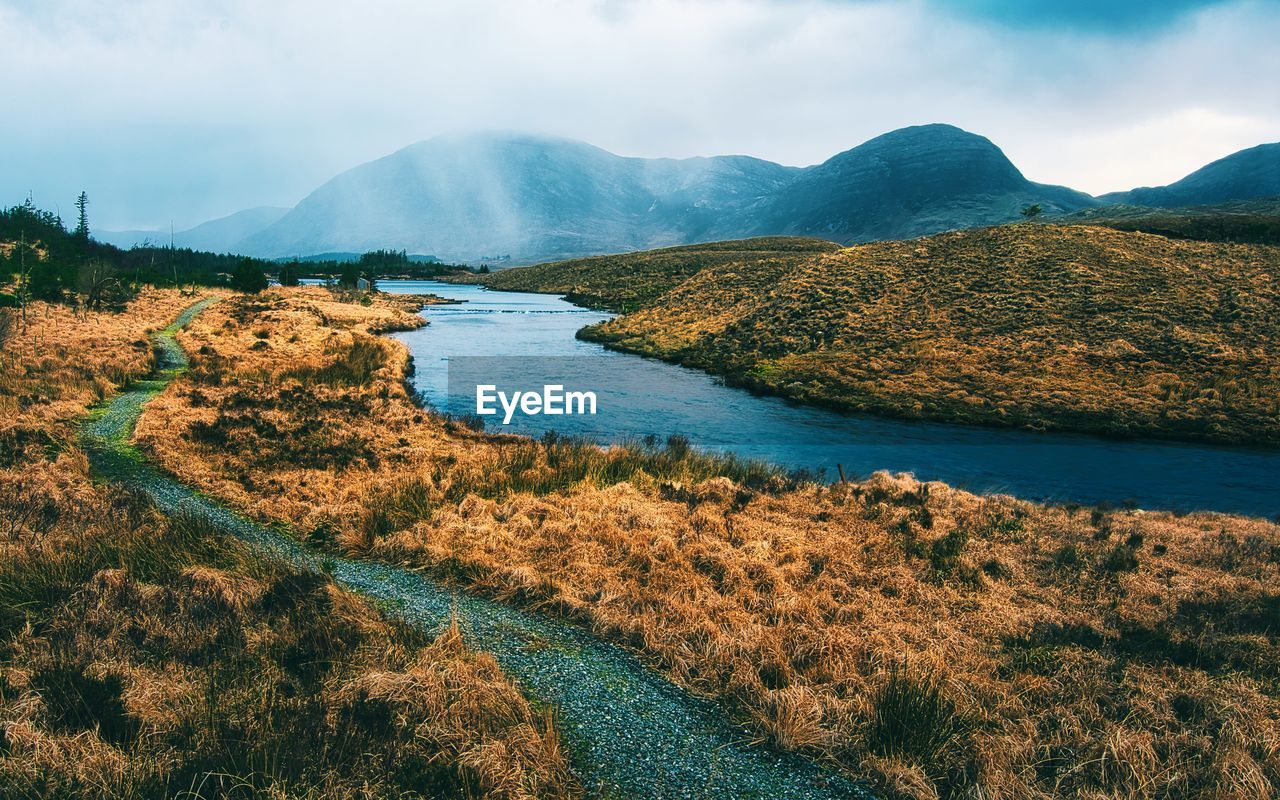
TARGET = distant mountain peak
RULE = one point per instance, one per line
(1251, 174)
(909, 182)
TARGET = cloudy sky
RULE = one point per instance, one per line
(183, 112)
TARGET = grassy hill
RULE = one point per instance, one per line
(1250, 222)
(633, 280)
(1047, 326)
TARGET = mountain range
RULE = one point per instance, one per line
(522, 198)
(216, 235)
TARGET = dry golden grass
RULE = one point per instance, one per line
(630, 281)
(145, 657)
(940, 642)
(60, 362)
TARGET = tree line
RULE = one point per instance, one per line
(43, 260)
(40, 259)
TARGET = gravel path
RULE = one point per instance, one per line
(629, 731)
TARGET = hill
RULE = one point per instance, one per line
(910, 182)
(1247, 175)
(1254, 221)
(1045, 326)
(630, 281)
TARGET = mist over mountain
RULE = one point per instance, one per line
(538, 198)
(526, 198)
(1250, 174)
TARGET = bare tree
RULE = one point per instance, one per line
(99, 284)
(23, 289)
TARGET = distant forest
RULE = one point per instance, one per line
(41, 259)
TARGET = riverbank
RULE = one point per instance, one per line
(627, 732)
(520, 337)
(1048, 327)
(930, 639)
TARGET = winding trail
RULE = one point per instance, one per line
(629, 731)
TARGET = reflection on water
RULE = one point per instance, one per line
(529, 338)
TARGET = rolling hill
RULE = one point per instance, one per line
(1250, 222)
(634, 280)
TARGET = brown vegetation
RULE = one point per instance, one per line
(939, 642)
(634, 280)
(147, 657)
(1253, 221)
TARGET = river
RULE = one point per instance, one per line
(525, 340)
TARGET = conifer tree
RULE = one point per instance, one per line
(82, 225)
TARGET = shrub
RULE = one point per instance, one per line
(1122, 558)
(1067, 557)
(916, 721)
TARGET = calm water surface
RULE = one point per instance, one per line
(530, 337)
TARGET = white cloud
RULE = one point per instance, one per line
(187, 112)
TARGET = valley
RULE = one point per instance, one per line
(663, 400)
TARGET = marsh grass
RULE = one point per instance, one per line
(352, 363)
(556, 463)
(144, 656)
(1047, 675)
(915, 720)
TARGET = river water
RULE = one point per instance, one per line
(519, 340)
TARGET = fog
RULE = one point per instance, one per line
(167, 114)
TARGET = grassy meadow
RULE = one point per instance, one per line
(935, 642)
(628, 282)
(144, 656)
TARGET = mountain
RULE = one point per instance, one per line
(1250, 174)
(538, 198)
(528, 197)
(222, 235)
(910, 182)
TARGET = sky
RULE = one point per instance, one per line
(171, 113)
